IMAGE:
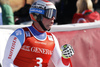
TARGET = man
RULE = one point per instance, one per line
(32, 46)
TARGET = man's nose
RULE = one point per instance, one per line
(53, 18)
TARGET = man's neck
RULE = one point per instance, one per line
(37, 26)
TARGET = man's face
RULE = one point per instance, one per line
(48, 22)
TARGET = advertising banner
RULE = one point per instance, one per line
(84, 39)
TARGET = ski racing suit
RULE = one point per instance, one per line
(29, 47)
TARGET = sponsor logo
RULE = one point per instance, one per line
(41, 50)
(12, 47)
(37, 10)
(37, 50)
(26, 48)
(40, 42)
(18, 32)
(34, 10)
(27, 33)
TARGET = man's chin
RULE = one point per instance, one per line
(49, 29)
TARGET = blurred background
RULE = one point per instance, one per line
(65, 10)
